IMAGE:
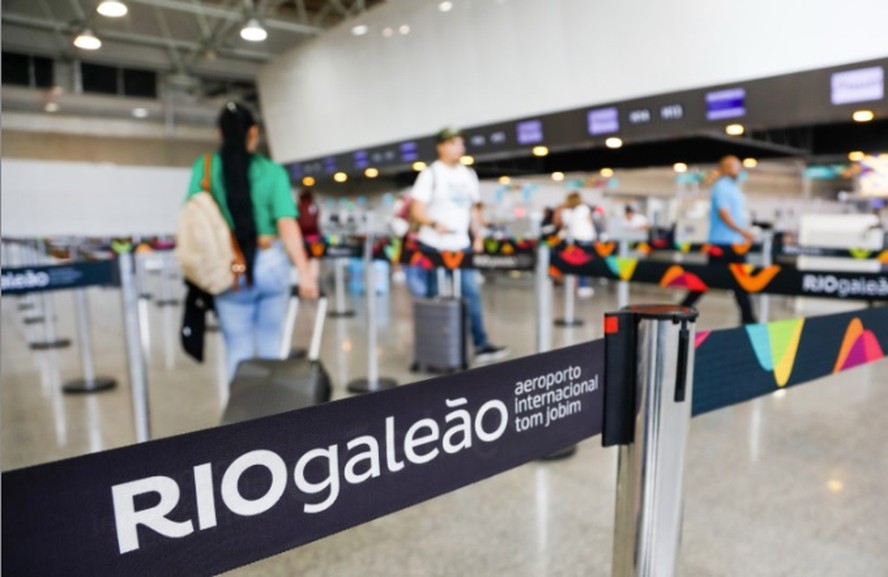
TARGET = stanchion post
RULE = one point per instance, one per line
(89, 383)
(570, 290)
(135, 351)
(648, 412)
(373, 382)
(543, 295)
(622, 285)
(767, 260)
(341, 309)
(50, 336)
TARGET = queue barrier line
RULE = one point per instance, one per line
(213, 500)
(764, 358)
(771, 279)
(42, 278)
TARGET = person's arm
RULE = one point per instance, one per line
(419, 214)
(291, 236)
(421, 195)
(726, 218)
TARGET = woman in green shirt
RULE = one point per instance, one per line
(254, 196)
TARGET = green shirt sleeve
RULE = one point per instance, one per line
(282, 204)
(197, 170)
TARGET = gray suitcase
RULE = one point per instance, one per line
(263, 387)
(440, 331)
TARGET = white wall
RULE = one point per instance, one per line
(78, 198)
(491, 60)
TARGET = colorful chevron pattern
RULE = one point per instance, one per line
(775, 345)
(859, 346)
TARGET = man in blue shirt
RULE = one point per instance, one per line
(728, 225)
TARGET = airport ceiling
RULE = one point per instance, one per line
(190, 39)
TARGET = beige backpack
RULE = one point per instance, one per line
(206, 248)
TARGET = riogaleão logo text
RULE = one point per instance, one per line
(753, 282)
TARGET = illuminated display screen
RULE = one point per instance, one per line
(530, 132)
(603, 120)
(672, 112)
(296, 171)
(409, 152)
(330, 165)
(362, 159)
(640, 116)
(861, 85)
(722, 104)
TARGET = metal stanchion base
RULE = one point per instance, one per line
(146, 296)
(167, 302)
(33, 320)
(95, 385)
(568, 323)
(298, 354)
(365, 386)
(56, 344)
(341, 314)
(560, 454)
(416, 367)
(25, 306)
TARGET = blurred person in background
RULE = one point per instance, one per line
(574, 217)
(254, 196)
(728, 225)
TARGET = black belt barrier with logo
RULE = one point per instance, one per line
(27, 279)
(213, 500)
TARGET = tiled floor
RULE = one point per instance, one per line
(782, 486)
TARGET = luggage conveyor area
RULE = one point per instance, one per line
(545, 518)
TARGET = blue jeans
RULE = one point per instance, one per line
(472, 294)
(252, 317)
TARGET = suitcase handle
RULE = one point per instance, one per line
(314, 351)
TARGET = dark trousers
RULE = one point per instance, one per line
(742, 297)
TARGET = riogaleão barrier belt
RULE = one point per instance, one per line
(27, 279)
(773, 279)
(736, 365)
(210, 501)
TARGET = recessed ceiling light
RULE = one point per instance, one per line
(360, 29)
(505, 180)
(308, 181)
(613, 142)
(253, 31)
(734, 129)
(467, 160)
(856, 156)
(340, 177)
(86, 40)
(750, 162)
(445, 6)
(863, 115)
(388, 32)
(419, 166)
(680, 167)
(371, 172)
(607, 172)
(140, 112)
(51, 107)
(404, 29)
(112, 8)
(540, 151)
(557, 176)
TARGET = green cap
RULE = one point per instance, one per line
(446, 134)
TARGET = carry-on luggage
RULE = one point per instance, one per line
(263, 387)
(439, 329)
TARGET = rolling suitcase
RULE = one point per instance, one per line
(263, 387)
(439, 330)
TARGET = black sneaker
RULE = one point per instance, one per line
(489, 353)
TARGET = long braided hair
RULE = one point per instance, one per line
(235, 121)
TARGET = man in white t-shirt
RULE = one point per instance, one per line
(633, 220)
(446, 204)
